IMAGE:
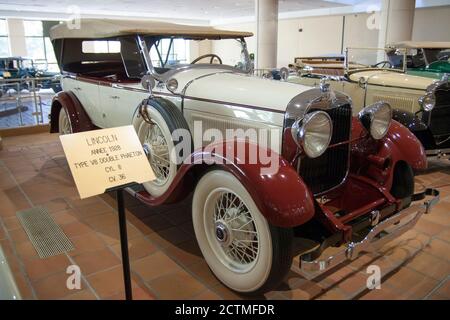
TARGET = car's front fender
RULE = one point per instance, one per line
(377, 159)
(281, 195)
(402, 145)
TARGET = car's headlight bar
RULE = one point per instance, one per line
(376, 118)
(313, 133)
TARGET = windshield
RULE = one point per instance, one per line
(27, 63)
(374, 58)
(170, 53)
(433, 55)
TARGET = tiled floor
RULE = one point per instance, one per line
(165, 259)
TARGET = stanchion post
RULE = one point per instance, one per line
(124, 244)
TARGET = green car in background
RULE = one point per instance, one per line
(425, 59)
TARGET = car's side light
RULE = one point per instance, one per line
(313, 133)
(172, 85)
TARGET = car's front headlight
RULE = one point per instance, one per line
(428, 101)
(376, 118)
(313, 133)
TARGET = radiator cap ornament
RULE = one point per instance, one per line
(324, 85)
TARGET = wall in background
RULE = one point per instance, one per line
(224, 49)
(432, 24)
(331, 34)
(313, 36)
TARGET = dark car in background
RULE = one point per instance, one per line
(24, 69)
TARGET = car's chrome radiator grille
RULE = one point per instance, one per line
(400, 102)
(439, 121)
(330, 169)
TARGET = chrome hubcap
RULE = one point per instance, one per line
(235, 229)
(222, 233)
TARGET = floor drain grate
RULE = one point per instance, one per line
(47, 237)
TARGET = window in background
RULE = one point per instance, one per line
(101, 46)
(4, 43)
(39, 47)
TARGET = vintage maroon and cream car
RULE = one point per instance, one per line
(324, 178)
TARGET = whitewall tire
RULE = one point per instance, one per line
(241, 248)
(64, 124)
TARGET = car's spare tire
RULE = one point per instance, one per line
(158, 123)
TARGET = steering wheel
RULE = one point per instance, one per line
(212, 55)
(383, 64)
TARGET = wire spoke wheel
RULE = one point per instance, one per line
(157, 151)
(235, 231)
(65, 127)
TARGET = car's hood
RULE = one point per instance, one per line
(231, 87)
(392, 79)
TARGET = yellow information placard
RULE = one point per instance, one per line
(105, 158)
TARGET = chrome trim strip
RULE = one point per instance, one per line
(156, 93)
(233, 104)
(373, 241)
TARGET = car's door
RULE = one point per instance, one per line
(109, 105)
(87, 92)
(119, 102)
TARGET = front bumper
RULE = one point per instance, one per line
(379, 235)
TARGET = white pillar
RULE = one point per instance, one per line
(397, 19)
(16, 33)
(266, 33)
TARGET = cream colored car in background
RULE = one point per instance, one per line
(369, 75)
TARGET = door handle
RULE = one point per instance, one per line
(115, 97)
(77, 88)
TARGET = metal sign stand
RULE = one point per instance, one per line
(126, 171)
(124, 238)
